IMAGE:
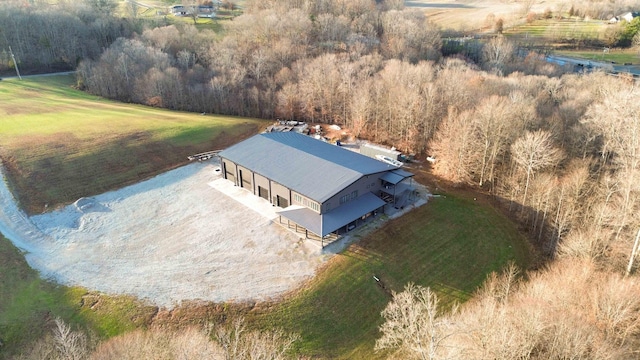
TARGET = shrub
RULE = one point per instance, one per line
(499, 26)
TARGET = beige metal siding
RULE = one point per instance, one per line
(279, 190)
(263, 182)
(245, 178)
(230, 170)
(299, 199)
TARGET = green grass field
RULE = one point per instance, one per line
(450, 245)
(558, 30)
(59, 144)
(619, 56)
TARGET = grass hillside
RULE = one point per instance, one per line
(59, 144)
(29, 306)
(616, 56)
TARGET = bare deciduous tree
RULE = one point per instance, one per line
(500, 286)
(497, 53)
(71, 345)
(239, 343)
(544, 319)
(413, 324)
(615, 119)
(185, 344)
(453, 147)
(532, 152)
(494, 126)
(192, 9)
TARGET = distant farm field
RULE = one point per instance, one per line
(59, 144)
(618, 56)
(479, 15)
(561, 29)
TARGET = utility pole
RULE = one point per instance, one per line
(15, 63)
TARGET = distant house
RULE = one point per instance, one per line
(179, 10)
(320, 187)
(628, 17)
(204, 11)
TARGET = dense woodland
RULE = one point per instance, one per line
(46, 37)
(558, 150)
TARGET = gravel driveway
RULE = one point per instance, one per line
(184, 235)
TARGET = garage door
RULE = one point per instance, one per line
(263, 193)
(282, 202)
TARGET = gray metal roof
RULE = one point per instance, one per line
(403, 173)
(311, 167)
(396, 176)
(335, 219)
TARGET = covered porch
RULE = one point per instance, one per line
(338, 221)
(397, 188)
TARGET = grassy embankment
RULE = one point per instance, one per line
(617, 56)
(450, 244)
(560, 29)
(59, 144)
(29, 306)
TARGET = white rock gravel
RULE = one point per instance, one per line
(184, 235)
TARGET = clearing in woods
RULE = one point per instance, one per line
(450, 244)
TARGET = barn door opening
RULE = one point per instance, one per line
(282, 202)
(263, 193)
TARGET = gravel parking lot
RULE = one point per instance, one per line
(187, 234)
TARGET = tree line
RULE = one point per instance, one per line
(572, 310)
(299, 60)
(45, 37)
(232, 341)
(374, 67)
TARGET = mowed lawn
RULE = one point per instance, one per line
(449, 244)
(59, 144)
